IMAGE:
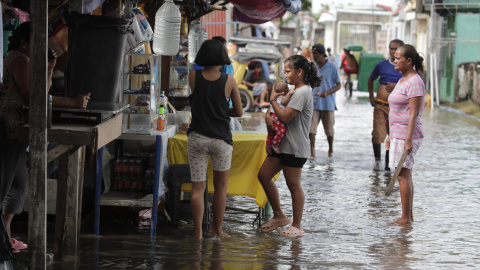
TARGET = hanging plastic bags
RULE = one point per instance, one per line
(145, 26)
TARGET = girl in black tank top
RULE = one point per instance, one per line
(210, 108)
(209, 133)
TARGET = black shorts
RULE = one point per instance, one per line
(289, 160)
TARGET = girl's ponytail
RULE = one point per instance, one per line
(300, 62)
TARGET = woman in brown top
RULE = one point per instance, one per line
(14, 94)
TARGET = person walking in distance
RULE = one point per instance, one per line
(388, 79)
(331, 57)
(324, 97)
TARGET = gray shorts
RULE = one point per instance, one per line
(199, 148)
(328, 120)
(396, 151)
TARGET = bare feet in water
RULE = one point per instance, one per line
(330, 152)
(402, 221)
(221, 235)
(276, 149)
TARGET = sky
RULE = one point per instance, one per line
(316, 4)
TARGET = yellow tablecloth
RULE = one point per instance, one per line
(247, 158)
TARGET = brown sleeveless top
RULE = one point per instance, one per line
(11, 100)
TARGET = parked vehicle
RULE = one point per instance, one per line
(366, 64)
(244, 50)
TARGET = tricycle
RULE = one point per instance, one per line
(362, 69)
(244, 50)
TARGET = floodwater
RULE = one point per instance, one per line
(346, 216)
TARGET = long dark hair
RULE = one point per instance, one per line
(300, 62)
(21, 32)
(417, 61)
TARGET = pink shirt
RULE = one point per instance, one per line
(400, 110)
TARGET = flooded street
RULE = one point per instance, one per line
(346, 215)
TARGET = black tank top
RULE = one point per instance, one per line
(210, 108)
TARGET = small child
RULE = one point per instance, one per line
(275, 136)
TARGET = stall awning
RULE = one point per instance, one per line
(260, 11)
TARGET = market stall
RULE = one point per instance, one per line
(141, 117)
(247, 158)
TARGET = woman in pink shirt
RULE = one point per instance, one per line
(406, 133)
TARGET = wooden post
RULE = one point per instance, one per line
(69, 185)
(37, 218)
(62, 176)
(73, 205)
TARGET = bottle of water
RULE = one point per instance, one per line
(166, 37)
(163, 102)
(161, 118)
(196, 37)
(165, 113)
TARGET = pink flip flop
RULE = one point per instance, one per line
(292, 232)
(275, 223)
(18, 245)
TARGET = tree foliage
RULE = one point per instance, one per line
(306, 5)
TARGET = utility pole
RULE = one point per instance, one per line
(373, 30)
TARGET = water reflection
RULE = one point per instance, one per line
(394, 254)
(346, 214)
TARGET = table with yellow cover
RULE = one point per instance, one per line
(247, 158)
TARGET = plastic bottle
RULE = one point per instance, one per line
(161, 118)
(173, 76)
(163, 101)
(123, 163)
(166, 36)
(138, 167)
(184, 25)
(117, 167)
(196, 37)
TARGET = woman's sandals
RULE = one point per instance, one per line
(292, 232)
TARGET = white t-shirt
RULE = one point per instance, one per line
(279, 101)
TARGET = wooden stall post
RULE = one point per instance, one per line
(37, 218)
(68, 208)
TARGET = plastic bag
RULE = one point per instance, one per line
(144, 25)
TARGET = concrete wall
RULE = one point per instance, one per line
(466, 50)
(346, 19)
(468, 82)
(467, 26)
(329, 37)
(366, 16)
